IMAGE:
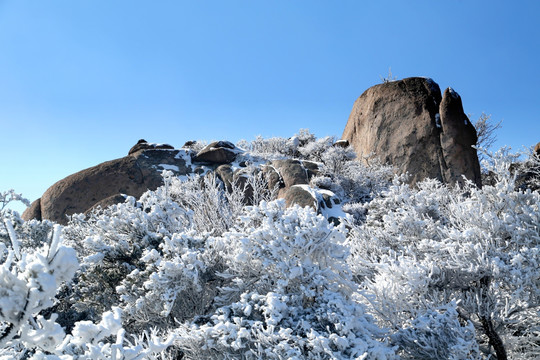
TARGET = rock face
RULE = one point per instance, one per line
(537, 149)
(408, 124)
(131, 175)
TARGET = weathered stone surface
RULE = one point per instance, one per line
(297, 195)
(218, 152)
(225, 174)
(189, 144)
(34, 211)
(312, 169)
(400, 123)
(537, 149)
(144, 145)
(241, 177)
(292, 172)
(131, 175)
(104, 203)
(458, 136)
(272, 176)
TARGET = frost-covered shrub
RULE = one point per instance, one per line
(189, 271)
(438, 334)
(175, 282)
(271, 148)
(303, 145)
(29, 279)
(421, 249)
(353, 182)
(314, 150)
(289, 293)
(336, 159)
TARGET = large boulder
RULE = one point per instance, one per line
(408, 124)
(102, 184)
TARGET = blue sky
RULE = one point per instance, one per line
(82, 81)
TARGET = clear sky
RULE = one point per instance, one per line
(82, 81)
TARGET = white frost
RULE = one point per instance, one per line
(169, 167)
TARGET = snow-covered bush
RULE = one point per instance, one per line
(424, 248)
(289, 293)
(303, 145)
(190, 271)
(438, 334)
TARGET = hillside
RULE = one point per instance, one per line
(376, 268)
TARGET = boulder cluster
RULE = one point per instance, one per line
(407, 123)
(141, 170)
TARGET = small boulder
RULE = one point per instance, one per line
(144, 145)
(342, 143)
(291, 171)
(299, 195)
(312, 169)
(225, 174)
(272, 177)
(111, 200)
(217, 152)
(190, 144)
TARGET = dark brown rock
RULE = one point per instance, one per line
(458, 136)
(144, 145)
(241, 180)
(272, 177)
(218, 152)
(104, 203)
(189, 144)
(400, 123)
(297, 195)
(225, 174)
(312, 169)
(131, 175)
(292, 172)
(34, 211)
(537, 149)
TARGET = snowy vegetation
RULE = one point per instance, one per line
(189, 272)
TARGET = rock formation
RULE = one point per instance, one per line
(218, 152)
(109, 183)
(131, 175)
(408, 124)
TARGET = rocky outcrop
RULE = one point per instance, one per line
(537, 150)
(108, 183)
(408, 124)
(131, 175)
(457, 137)
(218, 152)
(298, 195)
